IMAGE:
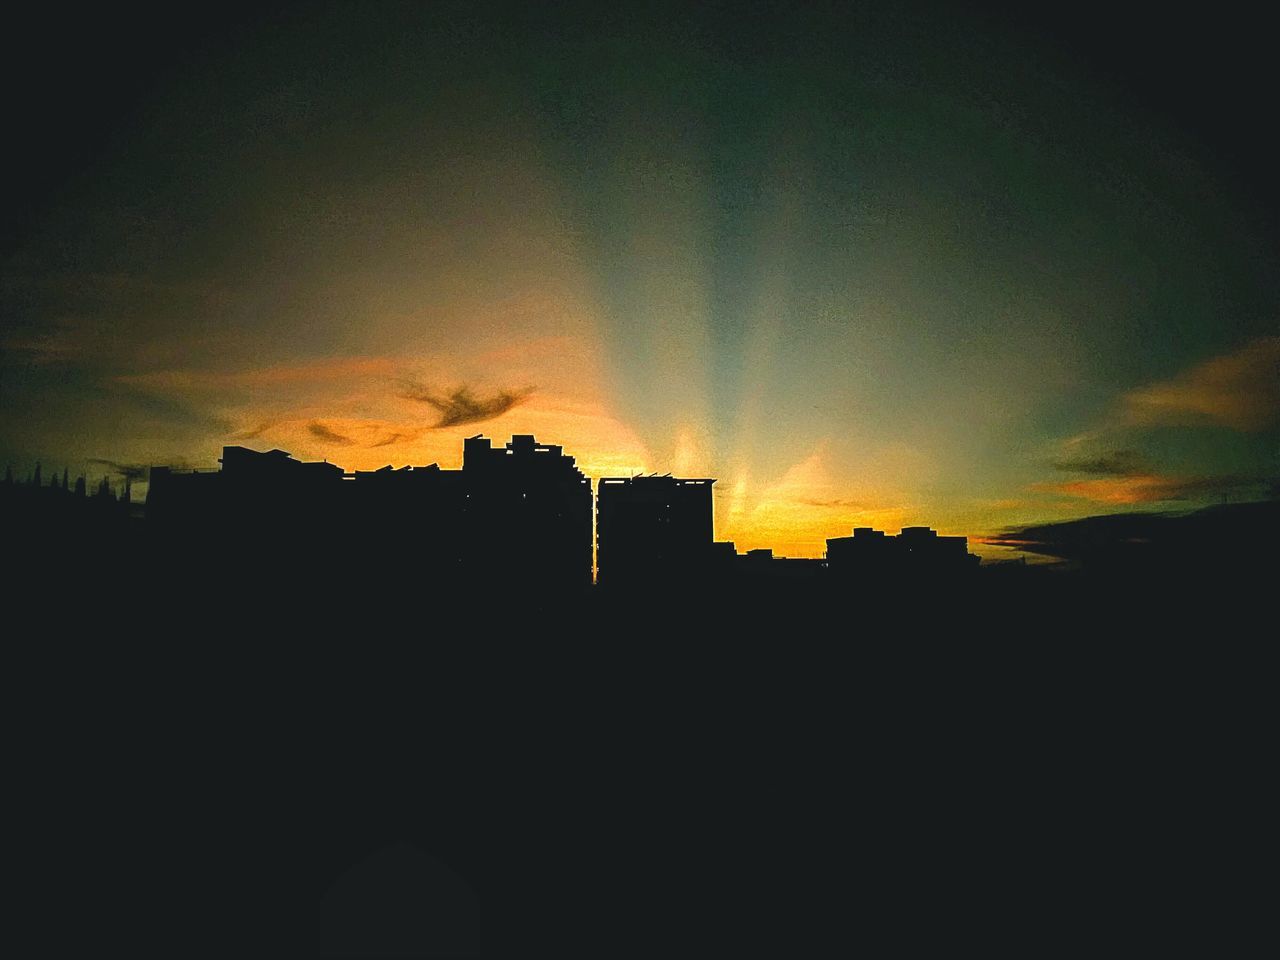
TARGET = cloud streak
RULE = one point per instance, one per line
(254, 432)
(838, 502)
(1239, 390)
(1116, 463)
(462, 406)
(1152, 488)
(304, 373)
(327, 435)
(393, 438)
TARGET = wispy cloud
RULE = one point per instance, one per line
(1152, 488)
(837, 502)
(1239, 390)
(328, 435)
(1116, 463)
(393, 438)
(48, 347)
(254, 432)
(463, 406)
(305, 372)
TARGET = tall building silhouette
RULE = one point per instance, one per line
(652, 528)
(527, 512)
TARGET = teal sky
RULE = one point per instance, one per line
(923, 267)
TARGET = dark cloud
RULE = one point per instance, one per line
(130, 471)
(1189, 488)
(857, 504)
(323, 433)
(257, 431)
(1117, 463)
(391, 438)
(1211, 534)
(55, 346)
(462, 406)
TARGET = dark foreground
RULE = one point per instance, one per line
(208, 756)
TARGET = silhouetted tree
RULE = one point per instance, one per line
(80, 486)
(35, 482)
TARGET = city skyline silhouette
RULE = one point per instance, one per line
(525, 513)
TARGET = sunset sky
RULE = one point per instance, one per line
(929, 267)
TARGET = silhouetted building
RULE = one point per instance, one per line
(419, 509)
(520, 515)
(916, 551)
(866, 548)
(922, 548)
(527, 512)
(653, 528)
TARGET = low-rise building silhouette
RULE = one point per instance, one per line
(915, 551)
